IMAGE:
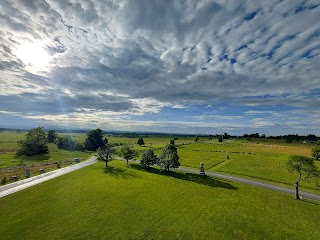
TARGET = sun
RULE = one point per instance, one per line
(34, 55)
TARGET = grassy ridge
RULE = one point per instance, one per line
(129, 203)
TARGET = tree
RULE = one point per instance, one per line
(169, 157)
(196, 139)
(79, 147)
(94, 140)
(128, 154)
(66, 143)
(148, 158)
(220, 139)
(312, 137)
(52, 136)
(305, 167)
(36, 143)
(316, 152)
(105, 153)
(140, 141)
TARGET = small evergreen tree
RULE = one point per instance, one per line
(94, 140)
(140, 141)
(148, 158)
(220, 139)
(52, 136)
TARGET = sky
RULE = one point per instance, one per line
(175, 66)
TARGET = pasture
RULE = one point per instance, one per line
(127, 202)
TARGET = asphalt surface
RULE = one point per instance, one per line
(23, 184)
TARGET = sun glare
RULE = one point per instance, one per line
(34, 55)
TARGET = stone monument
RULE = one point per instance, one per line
(202, 169)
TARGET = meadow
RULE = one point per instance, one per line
(260, 159)
(128, 202)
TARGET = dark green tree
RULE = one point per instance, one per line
(220, 139)
(36, 143)
(140, 141)
(128, 154)
(94, 140)
(196, 139)
(169, 157)
(105, 153)
(52, 136)
(148, 158)
(305, 168)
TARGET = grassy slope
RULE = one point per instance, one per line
(128, 203)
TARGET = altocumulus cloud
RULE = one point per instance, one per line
(159, 63)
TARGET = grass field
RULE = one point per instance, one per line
(130, 203)
(261, 159)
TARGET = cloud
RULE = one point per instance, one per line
(138, 57)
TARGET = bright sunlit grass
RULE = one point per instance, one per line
(131, 203)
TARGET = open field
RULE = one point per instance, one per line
(255, 160)
(261, 159)
(130, 203)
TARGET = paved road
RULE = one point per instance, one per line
(19, 185)
(255, 183)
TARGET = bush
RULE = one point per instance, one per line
(79, 147)
(4, 180)
(66, 143)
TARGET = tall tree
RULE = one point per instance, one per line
(52, 136)
(128, 154)
(36, 143)
(105, 153)
(148, 158)
(305, 168)
(140, 141)
(169, 157)
(94, 140)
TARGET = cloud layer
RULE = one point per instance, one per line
(152, 61)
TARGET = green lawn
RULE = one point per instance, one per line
(130, 203)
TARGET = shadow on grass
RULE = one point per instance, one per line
(311, 202)
(203, 180)
(118, 172)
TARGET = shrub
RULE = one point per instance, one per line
(4, 180)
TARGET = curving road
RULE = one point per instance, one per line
(255, 183)
(19, 185)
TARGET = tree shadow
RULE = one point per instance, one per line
(200, 179)
(118, 172)
(311, 202)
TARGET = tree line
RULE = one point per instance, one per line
(37, 140)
